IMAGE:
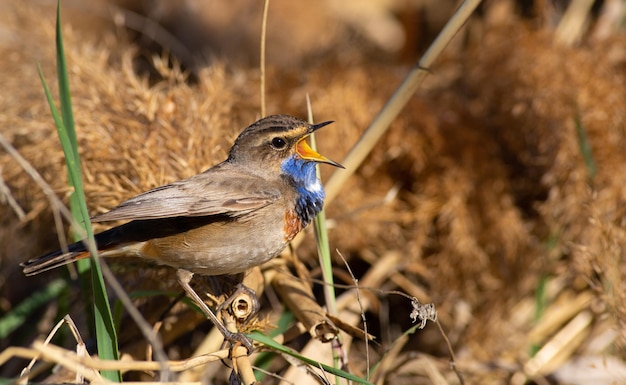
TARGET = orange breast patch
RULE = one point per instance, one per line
(292, 225)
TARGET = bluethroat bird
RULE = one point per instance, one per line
(234, 216)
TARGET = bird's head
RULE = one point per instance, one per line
(277, 144)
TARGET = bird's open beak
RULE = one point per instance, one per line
(307, 153)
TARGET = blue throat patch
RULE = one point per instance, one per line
(311, 194)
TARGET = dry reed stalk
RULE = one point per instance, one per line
(571, 28)
(298, 297)
(242, 365)
(70, 359)
(558, 313)
(560, 347)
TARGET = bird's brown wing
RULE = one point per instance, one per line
(217, 191)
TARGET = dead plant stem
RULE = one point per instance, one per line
(266, 6)
(398, 100)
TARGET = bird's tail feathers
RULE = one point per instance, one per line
(111, 243)
(55, 259)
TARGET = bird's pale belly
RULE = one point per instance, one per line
(211, 250)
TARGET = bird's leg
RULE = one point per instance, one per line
(184, 277)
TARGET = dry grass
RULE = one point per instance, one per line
(490, 192)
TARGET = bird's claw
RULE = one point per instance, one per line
(239, 338)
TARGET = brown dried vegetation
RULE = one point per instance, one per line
(491, 194)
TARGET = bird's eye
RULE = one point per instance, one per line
(278, 143)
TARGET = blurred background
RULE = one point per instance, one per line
(497, 193)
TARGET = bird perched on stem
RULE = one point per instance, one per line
(234, 216)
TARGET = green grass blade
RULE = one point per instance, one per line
(264, 360)
(67, 136)
(64, 87)
(323, 250)
(68, 121)
(269, 342)
(17, 316)
(585, 146)
(105, 331)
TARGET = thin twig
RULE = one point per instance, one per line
(358, 299)
(5, 191)
(277, 376)
(45, 187)
(54, 353)
(266, 6)
(141, 322)
(79, 341)
(451, 351)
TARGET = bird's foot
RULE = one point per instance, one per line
(238, 339)
(184, 277)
